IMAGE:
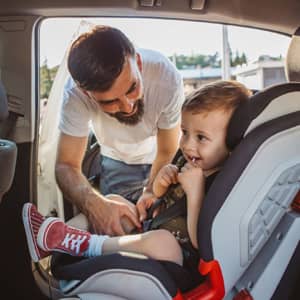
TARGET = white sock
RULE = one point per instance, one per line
(95, 245)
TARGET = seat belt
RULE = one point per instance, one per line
(174, 211)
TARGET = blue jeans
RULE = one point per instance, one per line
(117, 177)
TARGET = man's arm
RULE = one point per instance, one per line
(167, 145)
(103, 214)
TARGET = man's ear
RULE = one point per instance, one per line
(139, 61)
(85, 92)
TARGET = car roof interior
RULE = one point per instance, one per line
(284, 17)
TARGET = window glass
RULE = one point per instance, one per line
(254, 57)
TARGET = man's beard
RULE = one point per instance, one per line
(133, 119)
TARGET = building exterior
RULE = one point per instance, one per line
(194, 78)
(261, 73)
(264, 72)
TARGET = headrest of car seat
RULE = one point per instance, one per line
(264, 106)
(3, 103)
(292, 66)
(268, 112)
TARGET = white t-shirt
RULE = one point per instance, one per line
(163, 98)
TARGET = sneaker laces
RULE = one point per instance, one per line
(72, 243)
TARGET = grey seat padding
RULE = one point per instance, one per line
(3, 103)
(8, 154)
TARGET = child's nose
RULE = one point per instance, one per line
(190, 144)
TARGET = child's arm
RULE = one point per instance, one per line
(165, 177)
(192, 181)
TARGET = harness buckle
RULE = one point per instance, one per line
(147, 225)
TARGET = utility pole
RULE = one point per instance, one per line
(225, 54)
(174, 59)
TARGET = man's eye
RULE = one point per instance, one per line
(132, 89)
(107, 103)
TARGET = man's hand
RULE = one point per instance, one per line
(144, 203)
(105, 214)
(126, 223)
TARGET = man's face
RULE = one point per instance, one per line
(124, 100)
(203, 138)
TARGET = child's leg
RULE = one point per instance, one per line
(157, 244)
(32, 220)
(52, 234)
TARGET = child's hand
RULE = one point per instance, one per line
(192, 180)
(165, 177)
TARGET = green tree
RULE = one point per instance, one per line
(195, 61)
(238, 59)
(53, 72)
(45, 80)
(244, 59)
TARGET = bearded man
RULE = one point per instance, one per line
(131, 99)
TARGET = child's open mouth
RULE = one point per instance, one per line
(193, 159)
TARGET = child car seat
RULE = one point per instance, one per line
(249, 224)
(247, 231)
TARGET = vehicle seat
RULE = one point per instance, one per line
(249, 224)
(8, 149)
(247, 231)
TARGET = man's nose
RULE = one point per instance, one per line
(126, 104)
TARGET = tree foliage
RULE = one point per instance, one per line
(47, 76)
(238, 59)
(203, 61)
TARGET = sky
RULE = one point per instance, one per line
(167, 36)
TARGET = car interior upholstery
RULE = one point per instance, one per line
(250, 229)
(8, 149)
(259, 228)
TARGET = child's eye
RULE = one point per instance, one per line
(201, 137)
(184, 132)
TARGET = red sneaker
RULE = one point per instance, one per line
(32, 221)
(55, 235)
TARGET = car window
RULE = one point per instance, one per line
(256, 56)
(203, 52)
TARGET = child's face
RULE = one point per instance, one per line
(203, 138)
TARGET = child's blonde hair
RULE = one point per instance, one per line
(224, 94)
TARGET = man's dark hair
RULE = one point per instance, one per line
(96, 58)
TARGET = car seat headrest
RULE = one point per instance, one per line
(292, 65)
(264, 106)
(3, 103)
